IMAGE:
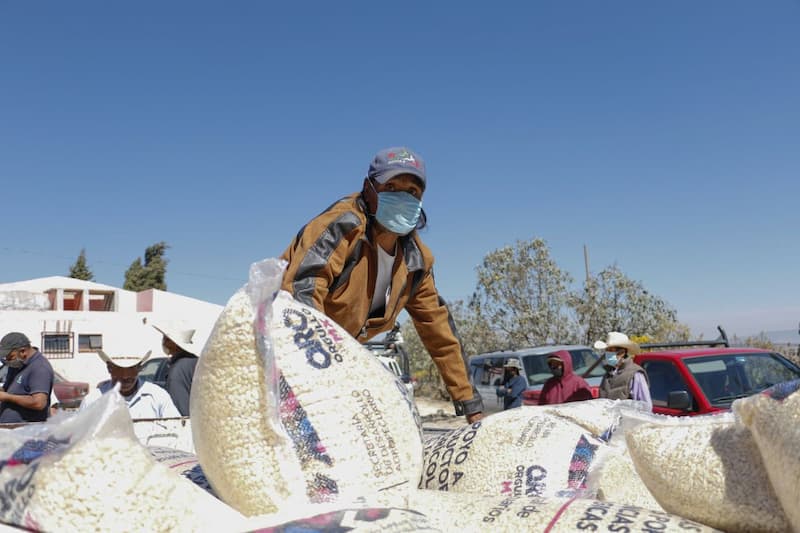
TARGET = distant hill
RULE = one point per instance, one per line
(783, 336)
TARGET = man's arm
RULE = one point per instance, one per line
(437, 332)
(640, 391)
(40, 383)
(35, 401)
(518, 387)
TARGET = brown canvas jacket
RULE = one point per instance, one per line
(330, 261)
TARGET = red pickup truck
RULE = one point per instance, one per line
(706, 380)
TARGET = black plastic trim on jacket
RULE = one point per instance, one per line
(319, 254)
(469, 407)
(349, 265)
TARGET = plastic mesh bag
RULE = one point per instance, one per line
(87, 472)
(522, 451)
(708, 470)
(349, 518)
(614, 479)
(599, 416)
(773, 418)
(288, 409)
(450, 511)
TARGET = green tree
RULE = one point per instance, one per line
(420, 362)
(755, 341)
(611, 301)
(476, 337)
(152, 274)
(477, 334)
(523, 295)
(80, 269)
(135, 276)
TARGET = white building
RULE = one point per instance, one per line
(70, 320)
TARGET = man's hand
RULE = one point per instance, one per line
(474, 417)
(3, 396)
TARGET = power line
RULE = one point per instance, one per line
(115, 264)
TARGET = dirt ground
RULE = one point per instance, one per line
(438, 414)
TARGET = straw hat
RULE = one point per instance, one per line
(181, 337)
(616, 339)
(124, 361)
(513, 363)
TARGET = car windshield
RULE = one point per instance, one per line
(150, 369)
(582, 360)
(538, 372)
(536, 369)
(726, 377)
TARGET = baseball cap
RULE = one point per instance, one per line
(12, 341)
(392, 162)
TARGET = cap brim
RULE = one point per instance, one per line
(120, 362)
(162, 331)
(383, 177)
(185, 346)
(632, 347)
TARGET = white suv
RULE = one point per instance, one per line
(486, 371)
(394, 360)
(394, 368)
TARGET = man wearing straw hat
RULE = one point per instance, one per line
(625, 380)
(144, 399)
(178, 346)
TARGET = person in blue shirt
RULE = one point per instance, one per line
(512, 390)
(25, 396)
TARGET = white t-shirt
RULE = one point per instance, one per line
(383, 282)
(149, 400)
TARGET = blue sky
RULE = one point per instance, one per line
(664, 136)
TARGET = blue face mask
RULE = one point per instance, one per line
(398, 212)
(612, 358)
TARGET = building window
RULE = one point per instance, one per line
(90, 343)
(73, 300)
(52, 296)
(101, 300)
(664, 378)
(57, 345)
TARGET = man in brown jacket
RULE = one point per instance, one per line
(361, 262)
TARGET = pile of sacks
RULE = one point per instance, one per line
(89, 472)
(297, 427)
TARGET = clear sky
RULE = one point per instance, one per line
(664, 136)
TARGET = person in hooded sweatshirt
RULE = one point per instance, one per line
(565, 385)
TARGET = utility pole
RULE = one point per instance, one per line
(586, 261)
(589, 295)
